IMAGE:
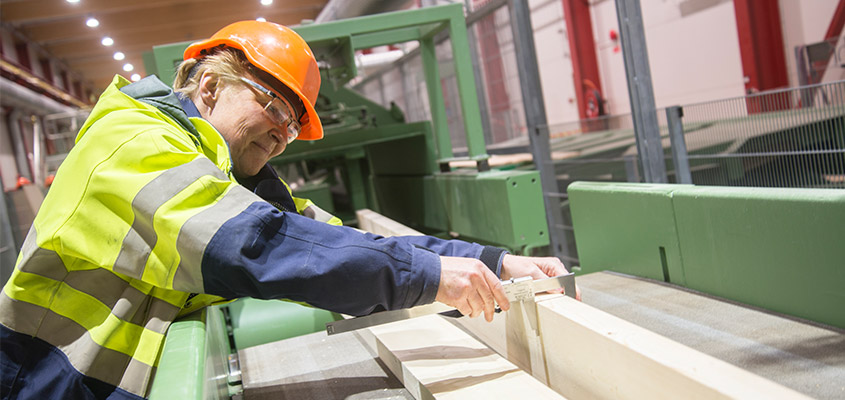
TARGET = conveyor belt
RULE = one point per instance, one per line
(799, 355)
(317, 366)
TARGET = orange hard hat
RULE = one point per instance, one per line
(280, 52)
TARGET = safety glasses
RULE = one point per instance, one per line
(279, 110)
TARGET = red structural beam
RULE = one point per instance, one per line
(761, 44)
(494, 70)
(582, 49)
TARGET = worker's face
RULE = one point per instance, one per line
(238, 113)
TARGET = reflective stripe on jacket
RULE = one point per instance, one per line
(145, 223)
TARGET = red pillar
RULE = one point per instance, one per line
(582, 49)
(494, 70)
(761, 44)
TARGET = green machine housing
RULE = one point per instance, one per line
(398, 168)
(394, 167)
(779, 249)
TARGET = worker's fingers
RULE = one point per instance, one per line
(464, 307)
(475, 301)
(498, 292)
(468, 285)
(485, 294)
(552, 266)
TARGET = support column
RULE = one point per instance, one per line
(640, 90)
(582, 50)
(761, 45)
(535, 119)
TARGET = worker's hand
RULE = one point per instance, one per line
(468, 285)
(535, 267)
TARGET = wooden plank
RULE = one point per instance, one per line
(513, 337)
(437, 360)
(594, 355)
(520, 342)
(374, 222)
(586, 354)
(484, 373)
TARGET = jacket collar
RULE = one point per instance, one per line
(154, 92)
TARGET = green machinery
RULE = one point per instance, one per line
(753, 246)
(774, 248)
(396, 168)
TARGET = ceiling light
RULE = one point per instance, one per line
(119, 56)
(135, 77)
(73, 1)
(107, 41)
(128, 67)
(266, 2)
(261, 19)
(92, 22)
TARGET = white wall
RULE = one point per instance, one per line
(693, 58)
(554, 60)
(693, 50)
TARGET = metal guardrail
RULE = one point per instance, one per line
(771, 139)
(783, 138)
(767, 139)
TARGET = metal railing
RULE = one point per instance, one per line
(768, 139)
(503, 116)
(771, 139)
(784, 138)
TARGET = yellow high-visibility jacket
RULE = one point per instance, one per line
(144, 223)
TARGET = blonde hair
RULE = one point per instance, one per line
(226, 64)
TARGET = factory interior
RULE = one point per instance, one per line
(685, 159)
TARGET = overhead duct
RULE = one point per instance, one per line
(342, 9)
(17, 96)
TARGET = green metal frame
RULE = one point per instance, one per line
(334, 44)
(389, 165)
(403, 26)
(373, 145)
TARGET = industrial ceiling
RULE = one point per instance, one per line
(60, 27)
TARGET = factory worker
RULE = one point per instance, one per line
(167, 205)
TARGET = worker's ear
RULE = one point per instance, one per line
(209, 89)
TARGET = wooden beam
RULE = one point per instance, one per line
(437, 360)
(587, 354)
(374, 222)
(523, 346)
(592, 354)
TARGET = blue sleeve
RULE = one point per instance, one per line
(268, 254)
(489, 255)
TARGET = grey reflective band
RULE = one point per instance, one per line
(141, 238)
(75, 342)
(36, 260)
(126, 302)
(198, 230)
